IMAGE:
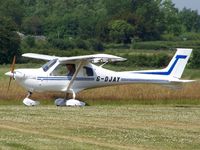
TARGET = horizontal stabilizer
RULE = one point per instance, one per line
(183, 81)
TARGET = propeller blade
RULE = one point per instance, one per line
(12, 68)
(9, 84)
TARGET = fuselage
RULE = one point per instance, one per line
(77, 73)
(89, 76)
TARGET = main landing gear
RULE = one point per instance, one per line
(58, 102)
(69, 102)
(29, 102)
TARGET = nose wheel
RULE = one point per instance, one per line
(29, 102)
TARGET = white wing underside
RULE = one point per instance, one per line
(91, 58)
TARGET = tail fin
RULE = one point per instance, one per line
(178, 63)
(176, 66)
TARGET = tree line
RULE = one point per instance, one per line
(109, 21)
(87, 24)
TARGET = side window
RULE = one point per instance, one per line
(60, 70)
(64, 70)
(89, 71)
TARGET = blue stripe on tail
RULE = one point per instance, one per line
(170, 69)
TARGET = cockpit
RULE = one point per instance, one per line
(66, 69)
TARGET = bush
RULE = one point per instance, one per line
(160, 45)
(42, 44)
(82, 44)
(62, 44)
(170, 37)
(30, 41)
(155, 45)
(146, 60)
(190, 36)
(160, 60)
(117, 46)
(96, 45)
(195, 61)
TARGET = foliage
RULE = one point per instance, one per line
(120, 31)
(190, 19)
(171, 19)
(82, 44)
(190, 36)
(9, 41)
(195, 61)
(159, 60)
(90, 25)
(148, 19)
(30, 41)
(33, 25)
(13, 10)
(96, 45)
(166, 45)
(113, 20)
(169, 37)
(62, 43)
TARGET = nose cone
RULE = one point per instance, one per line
(10, 74)
(15, 74)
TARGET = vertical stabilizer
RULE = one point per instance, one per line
(178, 62)
(176, 66)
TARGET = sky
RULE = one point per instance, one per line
(193, 4)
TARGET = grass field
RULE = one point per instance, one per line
(100, 127)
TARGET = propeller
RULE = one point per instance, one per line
(12, 68)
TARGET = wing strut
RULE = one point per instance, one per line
(74, 76)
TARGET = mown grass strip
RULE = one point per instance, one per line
(100, 127)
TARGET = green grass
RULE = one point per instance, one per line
(100, 127)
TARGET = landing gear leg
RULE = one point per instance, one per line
(73, 94)
(29, 94)
(29, 102)
(73, 101)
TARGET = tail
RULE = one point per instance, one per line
(176, 66)
(178, 63)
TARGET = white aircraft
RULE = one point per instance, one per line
(83, 74)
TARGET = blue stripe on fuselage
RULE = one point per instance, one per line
(170, 69)
(65, 78)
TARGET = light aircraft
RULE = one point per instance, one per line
(53, 75)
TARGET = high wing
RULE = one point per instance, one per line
(91, 58)
(39, 56)
(79, 59)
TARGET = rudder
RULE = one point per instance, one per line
(178, 62)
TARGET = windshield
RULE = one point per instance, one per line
(49, 64)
